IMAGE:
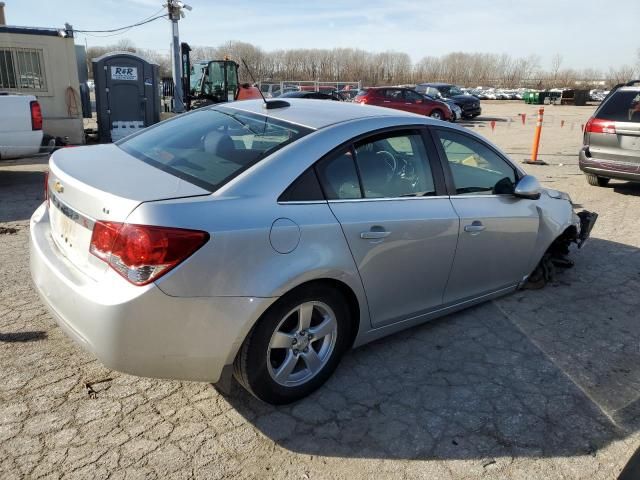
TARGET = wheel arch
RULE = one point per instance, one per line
(358, 312)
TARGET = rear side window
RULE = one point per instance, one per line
(338, 176)
(209, 147)
(306, 188)
(622, 106)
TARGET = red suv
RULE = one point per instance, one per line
(404, 99)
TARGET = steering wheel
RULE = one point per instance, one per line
(390, 161)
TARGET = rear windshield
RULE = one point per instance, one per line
(362, 92)
(622, 106)
(209, 147)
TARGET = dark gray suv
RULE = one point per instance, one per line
(611, 145)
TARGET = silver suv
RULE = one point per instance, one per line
(611, 145)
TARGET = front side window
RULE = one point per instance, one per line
(476, 168)
(393, 94)
(412, 96)
(209, 147)
(22, 69)
(394, 165)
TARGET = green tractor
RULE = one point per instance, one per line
(212, 81)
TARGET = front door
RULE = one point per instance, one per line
(414, 102)
(497, 230)
(393, 98)
(401, 233)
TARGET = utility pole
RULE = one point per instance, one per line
(174, 8)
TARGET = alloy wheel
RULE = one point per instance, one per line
(302, 344)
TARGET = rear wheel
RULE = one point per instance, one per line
(437, 114)
(295, 347)
(597, 181)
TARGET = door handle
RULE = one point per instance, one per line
(374, 235)
(386, 101)
(475, 227)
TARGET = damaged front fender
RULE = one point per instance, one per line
(557, 254)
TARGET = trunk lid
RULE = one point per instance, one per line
(101, 182)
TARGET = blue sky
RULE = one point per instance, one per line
(585, 32)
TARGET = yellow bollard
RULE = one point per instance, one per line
(536, 141)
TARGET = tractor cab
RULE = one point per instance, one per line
(215, 81)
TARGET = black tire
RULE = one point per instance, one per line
(250, 365)
(597, 181)
(437, 114)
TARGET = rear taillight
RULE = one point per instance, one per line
(360, 99)
(597, 125)
(143, 253)
(36, 116)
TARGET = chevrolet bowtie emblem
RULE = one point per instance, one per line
(58, 187)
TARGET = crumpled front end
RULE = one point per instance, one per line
(577, 231)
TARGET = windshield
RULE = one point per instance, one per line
(214, 83)
(451, 91)
(209, 147)
(195, 75)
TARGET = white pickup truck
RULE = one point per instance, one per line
(20, 126)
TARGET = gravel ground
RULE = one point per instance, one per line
(539, 384)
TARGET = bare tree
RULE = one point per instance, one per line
(556, 63)
(621, 75)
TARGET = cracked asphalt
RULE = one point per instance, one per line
(539, 384)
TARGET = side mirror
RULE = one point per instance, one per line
(528, 187)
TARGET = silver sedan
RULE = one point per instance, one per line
(264, 242)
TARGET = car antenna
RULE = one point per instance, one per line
(272, 103)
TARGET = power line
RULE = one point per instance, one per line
(123, 28)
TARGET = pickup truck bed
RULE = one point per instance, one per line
(20, 135)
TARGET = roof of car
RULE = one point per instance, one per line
(388, 86)
(315, 114)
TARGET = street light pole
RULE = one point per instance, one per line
(175, 13)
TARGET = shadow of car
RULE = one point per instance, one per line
(516, 377)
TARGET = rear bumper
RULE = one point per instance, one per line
(139, 330)
(608, 168)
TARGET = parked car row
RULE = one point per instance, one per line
(436, 100)
(469, 104)
(405, 99)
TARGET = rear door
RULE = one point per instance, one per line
(497, 230)
(401, 229)
(621, 145)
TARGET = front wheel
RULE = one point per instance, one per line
(295, 347)
(437, 114)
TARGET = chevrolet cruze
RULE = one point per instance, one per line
(263, 240)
